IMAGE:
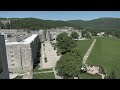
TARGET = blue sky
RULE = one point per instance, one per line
(60, 15)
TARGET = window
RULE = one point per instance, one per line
(12, 55)
(13, 64)
(11, 51)
(12, 60)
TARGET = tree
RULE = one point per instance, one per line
(88, 35)
(61, 36)
(65, 43)
(74, 35)
(77, 53)
(117, 34)
(8, 26)
(68, 66)
(84, 33)
(94, 33)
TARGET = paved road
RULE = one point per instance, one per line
(88, 52)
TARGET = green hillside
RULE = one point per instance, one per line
(100, 23)
(34, 23)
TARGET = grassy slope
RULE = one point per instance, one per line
(49, 75)
(37, 67)
(44, 76)
(106, 53)
(84, 45)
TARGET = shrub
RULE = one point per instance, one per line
(101, 70)
(54, 48)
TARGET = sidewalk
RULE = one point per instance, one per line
(88, 52)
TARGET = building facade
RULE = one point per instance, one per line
(52, 33)
(21, 55)
(4, 74)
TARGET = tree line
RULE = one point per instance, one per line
(71, 60)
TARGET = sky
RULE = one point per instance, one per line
(60, 15)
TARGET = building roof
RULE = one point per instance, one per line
(26, 41)
(30, 39)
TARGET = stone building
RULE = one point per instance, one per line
(52, 33)
(4, 22)
(12, 32)
(4, 74)
(21, 55)
(41, 33)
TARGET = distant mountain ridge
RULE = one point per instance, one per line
(106, 23)
(100, 23)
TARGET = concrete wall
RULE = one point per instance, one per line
(4, 74)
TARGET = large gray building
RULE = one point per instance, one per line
(4, 74)
(21, 55)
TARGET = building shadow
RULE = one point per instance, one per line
(38, 55)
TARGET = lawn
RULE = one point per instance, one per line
(84, 45)
(37, 67)
(89, 76)
(106, 53)
(49, 75)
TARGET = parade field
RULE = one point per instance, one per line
(106, 53)
(83, 45)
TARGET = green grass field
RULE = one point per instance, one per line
(89, 76)
(84, 45)
(106, 53)
(49, 75)
(37, 67)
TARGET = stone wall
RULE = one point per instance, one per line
(21, 55)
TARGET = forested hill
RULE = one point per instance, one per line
(99, 24)
(34, 23)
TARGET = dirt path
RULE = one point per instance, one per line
(88, 52)
(44, 72)
(51, 55)
(102, 75)
(55, 74)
